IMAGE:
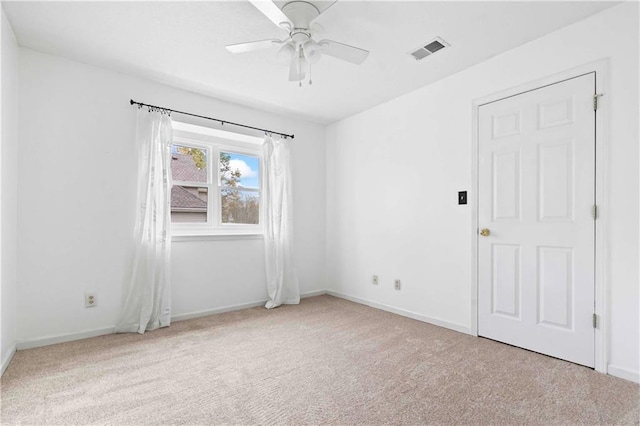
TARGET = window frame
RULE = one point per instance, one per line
(213, 226)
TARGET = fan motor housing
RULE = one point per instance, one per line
(301, 13)
(299, 35)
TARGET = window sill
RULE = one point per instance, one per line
(185, 237)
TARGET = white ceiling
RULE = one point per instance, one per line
(182, 44)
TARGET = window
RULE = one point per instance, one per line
(239, 188)
(216, 182)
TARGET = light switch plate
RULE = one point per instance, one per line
(462, 197)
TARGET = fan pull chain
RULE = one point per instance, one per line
(310, 81)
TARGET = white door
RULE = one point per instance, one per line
(536, 196)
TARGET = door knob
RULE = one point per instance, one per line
(485, 232)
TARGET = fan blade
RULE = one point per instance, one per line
(273, 12)
(316, 28)
(352, 54)
(296, 71)
(325, 8)
(252, 45)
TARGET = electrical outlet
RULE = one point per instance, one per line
(375, 280)
(397, 284)
(90, 300)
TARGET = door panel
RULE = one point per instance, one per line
(506, 280)
(506, 186)
(555, 286)
(536, 191)
(555, 182)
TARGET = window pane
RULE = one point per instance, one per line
(188, 204)
(240, 206)
(239, 170)
(188, 164)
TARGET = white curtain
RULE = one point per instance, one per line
(282, 283)
(147, 302)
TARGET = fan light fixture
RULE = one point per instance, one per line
(285, 53)
(299, 49)
(312, 51)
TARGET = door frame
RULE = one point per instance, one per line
(600, 68)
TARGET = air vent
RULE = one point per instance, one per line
(429, 48)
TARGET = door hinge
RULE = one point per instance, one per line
(595, 321)
(595, 100)
(595, 212)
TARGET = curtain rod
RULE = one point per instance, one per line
(223, 122)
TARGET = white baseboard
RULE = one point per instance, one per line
(61, 338)
(623, 373)
(220, 310)
(435, 321)
(231, 308)
(6, 359)
(69, 337)
(312, 293)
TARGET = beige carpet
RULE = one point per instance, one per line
(326, 361)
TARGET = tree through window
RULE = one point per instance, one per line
(239, 188)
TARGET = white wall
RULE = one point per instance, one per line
(77, 174)
(393, 173)
(8, 191)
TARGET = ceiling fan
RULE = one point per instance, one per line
(299, 49)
